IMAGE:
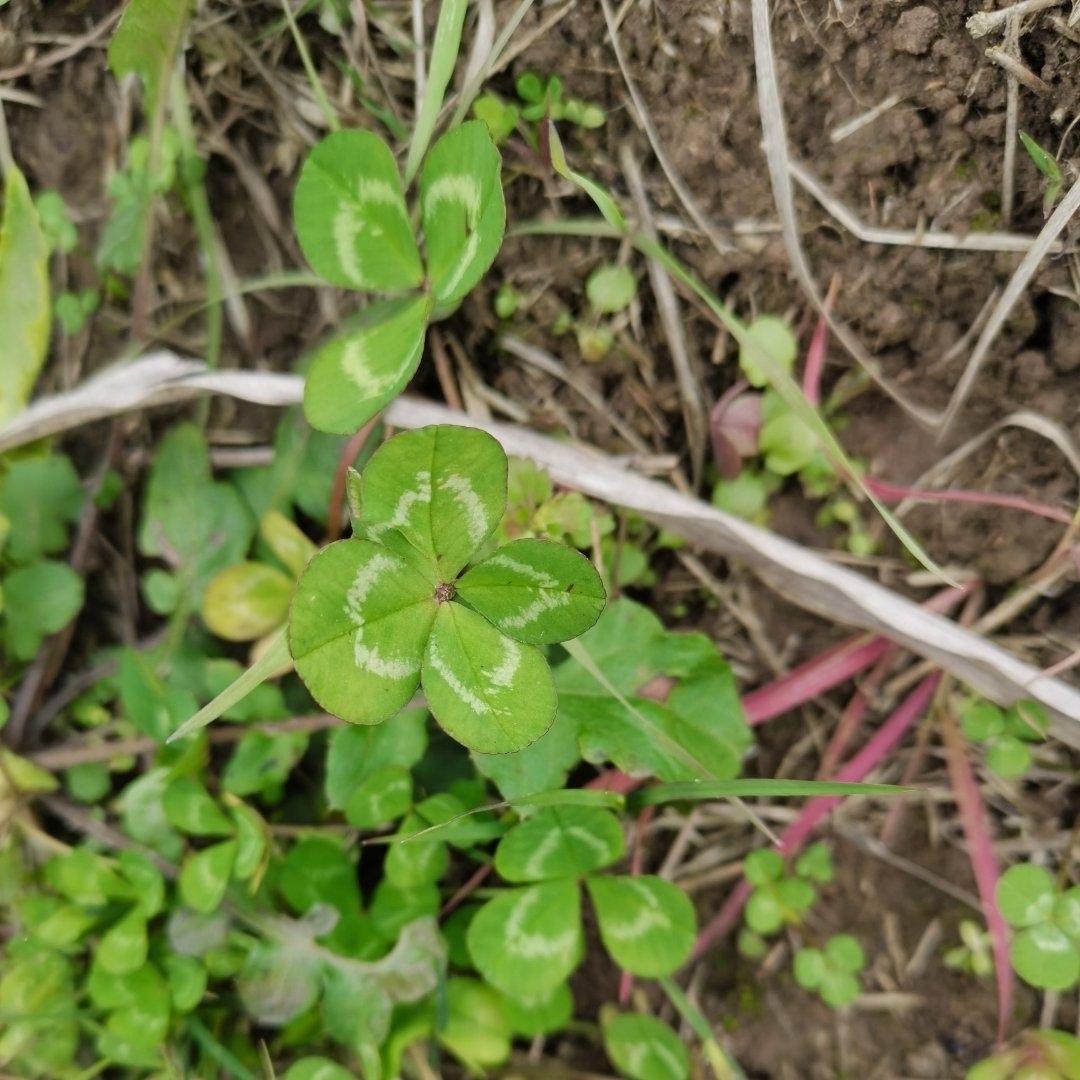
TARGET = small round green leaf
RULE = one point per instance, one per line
(491, 693)
(410, 866)
(646, 923)
(317, 1068)
(438, 492)
(763, 865)
(1046, 957)
(528, 941)
(246, 601)
(773, 336)
(357, 630)
(187, 981)
(251, 837)
(763, 912)
(809, 968)
(190, 808)
(384, 796)
(559, 842)
(844, 953)
(362, 370)
(982, 720)
(610, 289)
(1025, 894)
(122, 949)
(1008, 756)
(350, 214)
(205, 875)
(1067, 912)
(536, 591)
(839, 988)
(476, 1030)
(534, 1016)
(644, 1048)
(463, 211)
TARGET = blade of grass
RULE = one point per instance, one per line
(723, 1065)
(444, 51)
(317, 87)
(682, 791)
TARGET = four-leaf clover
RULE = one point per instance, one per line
(393, 609)
(832, 970)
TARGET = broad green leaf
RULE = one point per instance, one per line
(24, 295)
(540, 1015)
(384, 796)
(288, 543)
(40, 497)
(536, 591)
(436, 494)
(190, 808)
(143, 817)
(489, 692)
(262, 761)
(197, 525)
(275, 655)
(39, 600)
(146, 43)
(1026, 894)
(147, 883)
(527, 941)
(246, 601)
(462, 208)
(351, 218)
(1045, 956)
(359, 372)
(359, 624)
(411, 866)
(393, 908)
(477, 1031)
(251, 840)
(317, 871)
(122, 949)
(728, 789)
(644, 1048)
(646, 923)
(356, 753)
(544, 765)
(559, 842)
(205, 875)
(187, 981)
(85, 877)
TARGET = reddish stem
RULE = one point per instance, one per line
(794, 837)
(819, 345)
(479, 876)
(983, 861)
(887, 492)
(349, 453)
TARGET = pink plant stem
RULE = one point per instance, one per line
(830, 668)
(887, 492)
(819, 346)
(794, 837)
(983, 862)
(479, 876)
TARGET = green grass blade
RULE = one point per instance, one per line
(727, 789)
(275, 657)
(443, 58)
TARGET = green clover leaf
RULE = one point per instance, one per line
(832, 971)
(351, 218)
(559, 842)
(377, 616)
(1046, 950)
(644, 1048)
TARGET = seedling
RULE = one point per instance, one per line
(1047, 164)
(780, 899)
(832, 971)
(1038, 1055)
(1045, 949)
(974, 954)
(534, 509)
(545, 99)
(1006, 734)
(355, 231)
(610, 289)
(376, 616)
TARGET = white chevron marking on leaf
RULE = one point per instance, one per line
(357, 364)
(368, 657)
(505, 672)
(438, 662)
(531, 946)
(348, 225)
(648, 916)
(465, 496)
(464, 261)
(461, 188)
(421, 494)
(373, 190)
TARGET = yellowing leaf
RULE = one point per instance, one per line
(24, 296)
(246, 601)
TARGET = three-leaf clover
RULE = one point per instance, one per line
(393, 609)
(778, 898)
(1045, 951)
(528, 940)
(1006, 733)
(354, 228)
(832, 970)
